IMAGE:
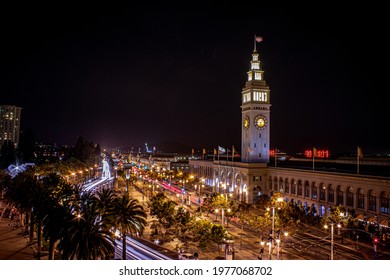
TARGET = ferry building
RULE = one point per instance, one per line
(246, 180)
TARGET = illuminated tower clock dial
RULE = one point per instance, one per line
(260, 122)
(246, 122)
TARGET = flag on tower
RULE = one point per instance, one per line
(258, 39)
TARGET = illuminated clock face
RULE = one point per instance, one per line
(246, 122)
(260, 122)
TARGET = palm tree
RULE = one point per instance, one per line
(86, 237)
(5, 181)
(59, 209)
(105, 199)
(20, 193)
(128, 217)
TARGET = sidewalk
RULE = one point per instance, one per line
(13, 245)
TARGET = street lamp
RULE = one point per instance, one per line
(331, 238)
(261, 249)
(127, 181)
(182, 196)
(278, 248)
(222, 214)
(273, 215)
(269, 243)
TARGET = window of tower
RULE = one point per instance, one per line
(260, 96)
(258, 76)
(249, 76)
(255, 57)
(246, 97)
(255, 65)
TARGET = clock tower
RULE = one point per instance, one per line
(255, 112)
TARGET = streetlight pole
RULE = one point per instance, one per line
(269, 249)
(332, 239)
(273, 222)
(127, 181)
(272, 235)
(261, 249)
(277, 252)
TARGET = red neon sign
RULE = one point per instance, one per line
(318, 153)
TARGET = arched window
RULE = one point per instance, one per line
(286, 187)
(384, 202)
(340, 195)
(372, 200)
(276, 184)
(307, 189)
(330, 194)
(293, 186)
(314, 191)
(322, 192)
(270, 183)
(300, 187)
(360, 199)
(281, 187)
(350, 197)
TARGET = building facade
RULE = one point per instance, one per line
(10, 124)
(247, 180)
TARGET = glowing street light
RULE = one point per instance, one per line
(331, 238)
(127, 181)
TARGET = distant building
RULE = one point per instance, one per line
(9, 124)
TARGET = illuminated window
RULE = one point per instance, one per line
(255, 57)
(384, 203)
(260, 96)
(256, 65)
(258, 76)
(246, 97)
(250, 77)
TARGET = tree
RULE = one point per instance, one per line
(163, 208)
(87, 238)
(21, 193)
(128, 217)
(57, 209)
(5, 181)
(218, 234)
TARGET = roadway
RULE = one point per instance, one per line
(312, 244)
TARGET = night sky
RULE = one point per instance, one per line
(119, 76)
